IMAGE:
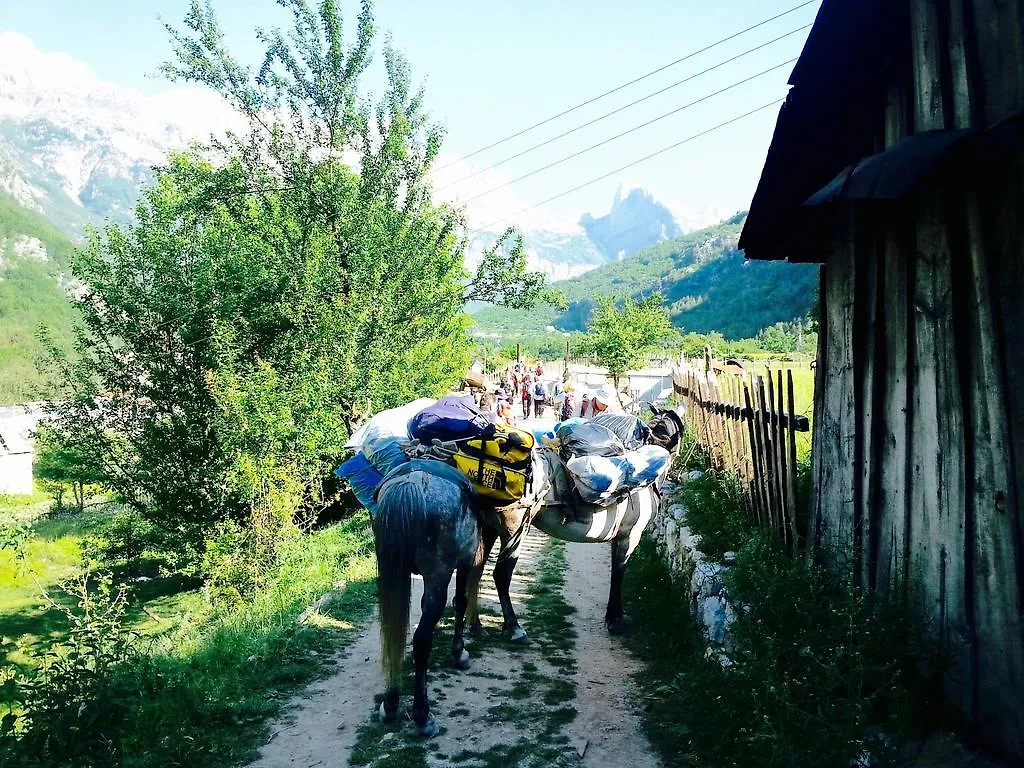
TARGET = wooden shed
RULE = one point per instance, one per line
(897, 164)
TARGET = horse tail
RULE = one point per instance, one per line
(394, 539)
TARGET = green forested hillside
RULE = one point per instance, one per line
(30, 296)
(707, 284)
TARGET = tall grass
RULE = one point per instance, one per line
(202, 693)
(819, 672)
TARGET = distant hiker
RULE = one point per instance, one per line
(567, 406)
(539, 370)
(505, 411)
(584, 406)
(487, 403)
(527, 397)
(540, 394)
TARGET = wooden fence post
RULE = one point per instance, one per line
(791, 477)
(749, 430)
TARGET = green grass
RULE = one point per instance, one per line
(51, 555)
(205, 679)
(818, 668)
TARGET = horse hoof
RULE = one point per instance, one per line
(429, 729)
(620, 626)
(383, 716)
(519, 637)
(463, 661)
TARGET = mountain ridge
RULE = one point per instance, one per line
(707, 283)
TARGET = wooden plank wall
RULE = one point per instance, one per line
(919, 435)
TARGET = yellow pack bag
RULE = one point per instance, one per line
(499, 465)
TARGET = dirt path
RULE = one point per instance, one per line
(516, 707)
(606, 699)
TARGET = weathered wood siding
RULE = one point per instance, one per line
(919, 438)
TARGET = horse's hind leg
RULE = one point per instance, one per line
(614, 616)
(435, 596)
(503, 570)
(512, 534)
(460, 656)
(476, 628)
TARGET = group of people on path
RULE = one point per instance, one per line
(525, 384)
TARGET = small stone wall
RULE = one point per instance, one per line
(708, 597)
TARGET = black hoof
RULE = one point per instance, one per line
(429, 729)
(619, 626)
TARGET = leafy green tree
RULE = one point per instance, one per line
(777, 338)
(621, 337)
(277, 286)
(61, 465)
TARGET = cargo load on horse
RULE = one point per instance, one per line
(494, 456)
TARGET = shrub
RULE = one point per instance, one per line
(71, 706)
(714, 510)
(819, 670)
(236, 563)
(823, 662)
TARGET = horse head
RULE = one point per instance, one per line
(666, 428)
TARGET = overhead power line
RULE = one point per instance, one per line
(623, 108)
(634, 81)
(635, 128)
(669, 148)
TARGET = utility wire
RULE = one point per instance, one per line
(631, 82)
(601, 143)
(763, 107)
(623, 108)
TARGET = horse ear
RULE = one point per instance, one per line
(654, 408)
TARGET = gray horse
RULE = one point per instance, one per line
(425, 524)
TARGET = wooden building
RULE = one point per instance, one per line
(897, 164)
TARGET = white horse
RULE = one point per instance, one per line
(550, 507)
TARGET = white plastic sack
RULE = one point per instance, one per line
(387, 425)
(597, 478)
(647, 465)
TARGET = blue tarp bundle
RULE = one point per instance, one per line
(364, 479)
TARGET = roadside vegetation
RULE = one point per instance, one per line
(111, 669)
(819, 674)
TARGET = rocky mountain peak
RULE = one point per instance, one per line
(636, 220)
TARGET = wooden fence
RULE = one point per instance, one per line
(748, 427)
